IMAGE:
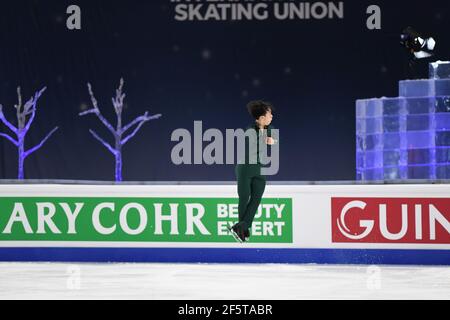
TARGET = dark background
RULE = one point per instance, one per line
(311, 70)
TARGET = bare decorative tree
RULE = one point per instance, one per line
(23, 125)
(120, 131)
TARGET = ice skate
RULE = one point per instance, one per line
(235, 234)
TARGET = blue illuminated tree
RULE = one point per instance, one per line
(23, 126)
(120, 132)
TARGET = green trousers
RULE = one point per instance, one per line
(251, 186)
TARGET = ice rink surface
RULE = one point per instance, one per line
(221, 281)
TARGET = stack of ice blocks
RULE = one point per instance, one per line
(407, 137)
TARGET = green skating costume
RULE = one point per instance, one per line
(251, 184)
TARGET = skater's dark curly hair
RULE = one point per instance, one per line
(259, 108)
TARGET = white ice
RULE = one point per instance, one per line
(221, 281)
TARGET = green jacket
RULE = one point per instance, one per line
(255, 152)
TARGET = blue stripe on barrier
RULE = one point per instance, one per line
(227, 255)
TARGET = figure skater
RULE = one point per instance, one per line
(251, 184)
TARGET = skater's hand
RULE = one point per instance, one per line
(270, 141)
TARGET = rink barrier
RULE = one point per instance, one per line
(323, 224)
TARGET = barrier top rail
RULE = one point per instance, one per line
(342, 182)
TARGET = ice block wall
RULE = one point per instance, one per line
(407, 137)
